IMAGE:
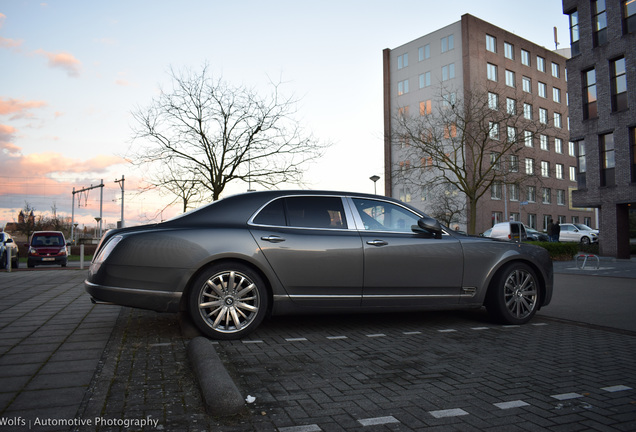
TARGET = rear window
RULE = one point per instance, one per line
(48, 240)
(303, 212)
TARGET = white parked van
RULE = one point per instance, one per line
(512, 231)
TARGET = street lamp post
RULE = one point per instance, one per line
(374, 179)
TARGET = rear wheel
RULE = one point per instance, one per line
(513, 297)
(228, 301)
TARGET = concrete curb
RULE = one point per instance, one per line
(220, 395)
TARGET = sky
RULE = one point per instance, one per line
(73, 71)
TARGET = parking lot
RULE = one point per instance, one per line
(69, 365)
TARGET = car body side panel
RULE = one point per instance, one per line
(411, 269)
(162, 262)
(316, 267)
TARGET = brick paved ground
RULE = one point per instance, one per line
(435, 371)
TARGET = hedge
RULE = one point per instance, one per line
(566, 251)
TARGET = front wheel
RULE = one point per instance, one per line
(585, 240)
(513, 297)
(228, 301)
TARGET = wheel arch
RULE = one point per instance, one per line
(504, 266)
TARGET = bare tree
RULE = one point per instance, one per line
(204, 134)
(471, 143)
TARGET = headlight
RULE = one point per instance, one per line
(107, 249)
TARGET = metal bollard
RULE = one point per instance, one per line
(82, 256)
(8, 254)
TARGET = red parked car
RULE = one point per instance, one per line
(47, 248)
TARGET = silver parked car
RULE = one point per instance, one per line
(575, 232)
(232, 262)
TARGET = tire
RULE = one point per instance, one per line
(513, 297)
(228, 301)
(585, 240)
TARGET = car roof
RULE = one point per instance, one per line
(237, 209)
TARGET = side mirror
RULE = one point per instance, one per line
(428, 224)
(9, 240)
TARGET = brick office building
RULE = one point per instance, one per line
(472, 53)
(602, 98)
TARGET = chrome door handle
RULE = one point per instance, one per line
(273, 239)
(377, 243)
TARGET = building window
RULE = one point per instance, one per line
(558, 145)
(525, 58)
(403, 87)
(425, 79)
(629, 16)
(492, 71)
(532, 194)
(448, 43)
(493, 101)
(529, 166)
(546, 195)
(425, 107)
(558, 171)
(581, 178)
(532, 220)
(543, 90)
(449, 100)
(491, 43)
(424, 52)
(511, 106)
(574, 33)
(495, 191)
(555, 70)
(527, 111)
(608, 159)
(571, 149)
(510, 78)
(512, 134)
(560, 197)
(403, 61)
(589, 94)
(493, 130)
(526, 84)
(513, 192)
(527, 138)
(543, 115)
(448, 72)
(556, 95)
(572, 173)
(543, 139)
(558, 120)
(509, 51)
(540, 64)
(599, 22)
(619, 84)
(514, 163)
(545, 169)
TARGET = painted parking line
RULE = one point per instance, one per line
(455, 412)
(336, 337)
(511, 404)
(616, 388)
(304, 428)
(300, 339)
(376, 335)
(378, 421)
(567, 396)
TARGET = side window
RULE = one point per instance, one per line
(383, 216)
(272, 214)
(315, 212)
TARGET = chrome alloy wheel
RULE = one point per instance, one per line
(520, 293)
(229, 301)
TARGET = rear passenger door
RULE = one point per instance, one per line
(308, 242)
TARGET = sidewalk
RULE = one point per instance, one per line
(51, 342)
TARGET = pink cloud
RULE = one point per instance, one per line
(19, 107)
(63, 61)
(6, 136)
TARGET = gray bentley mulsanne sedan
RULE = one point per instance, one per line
(236, 260)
